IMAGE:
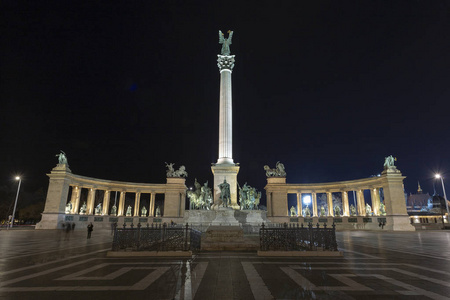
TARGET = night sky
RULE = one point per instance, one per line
(329, 88)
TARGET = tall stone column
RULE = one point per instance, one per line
(137, 202)
(120, 211)
(106, 198)
(345, 207)
(330, 204)
(225, 168)
(314, 203)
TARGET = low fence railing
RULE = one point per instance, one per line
(161, 237)
(298, 238)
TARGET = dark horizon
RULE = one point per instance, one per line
(329, 89)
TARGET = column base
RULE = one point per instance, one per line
(228, 172)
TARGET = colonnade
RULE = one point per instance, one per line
(106, 210)
(360, 202)
(390, 181)
(62, 179)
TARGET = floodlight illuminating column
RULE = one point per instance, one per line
(445, 196)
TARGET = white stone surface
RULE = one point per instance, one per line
(225, 217)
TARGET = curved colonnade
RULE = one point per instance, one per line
(63, 182)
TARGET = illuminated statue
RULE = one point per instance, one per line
(98, 209)
(307, 212)
(278, 171)
(83, 209)
(68, 207)
(128, 214)
(368, 210)
(62, 158)
(143, 211)
(293, 211)
(389, 162)
(352, 210)
(114, 210)
(337, 211)
(382, 209)
(225, 42)
(181, 172)
(322, 211)
(225, 195)
(158, 212)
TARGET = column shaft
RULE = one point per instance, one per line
(299, 205)
(137, 201)
(361, 202)
(76, 191)
(151, 209)
(314, 203)
(330, 204)
(375, 201)
(90, 202)
(120, 211)
(106, 198)
(225, 119)
(345, 206)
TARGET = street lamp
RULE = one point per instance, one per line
(445, 196)
(15, 203)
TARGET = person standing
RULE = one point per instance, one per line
(90, 228)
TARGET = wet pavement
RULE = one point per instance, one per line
(376, 265)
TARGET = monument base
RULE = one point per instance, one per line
(225, 217)
(228, 238)
(229, 173)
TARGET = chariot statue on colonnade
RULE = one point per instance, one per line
(171, 172)
(62, 158)
(389, 162)
(278, 171)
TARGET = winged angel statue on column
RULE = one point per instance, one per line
(225, 42)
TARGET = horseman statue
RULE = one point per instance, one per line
(249, 197)
(201, 198)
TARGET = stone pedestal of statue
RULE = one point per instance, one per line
(228, 172)
(225, 217)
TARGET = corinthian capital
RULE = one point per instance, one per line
(225, 62)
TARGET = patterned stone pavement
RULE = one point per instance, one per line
(376, 265)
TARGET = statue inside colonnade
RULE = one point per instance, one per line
(368, 210)
(143, 211)
(352, 210)
(337, 211)
(322, 211)
(128, 214)
(307, 212)
(382, 209)
(83, 209)
(68, 207)
(98, 209)
(293, 211)
(114, 210)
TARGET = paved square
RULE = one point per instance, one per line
(376, 265)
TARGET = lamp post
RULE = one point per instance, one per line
(15, 203)
(445, 196)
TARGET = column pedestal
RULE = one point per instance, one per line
(228, 172)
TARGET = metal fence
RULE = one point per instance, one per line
(298, 238)
(156, 238)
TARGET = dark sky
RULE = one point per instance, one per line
(329, 88)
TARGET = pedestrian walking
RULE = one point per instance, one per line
(73, 226)
(90, 228)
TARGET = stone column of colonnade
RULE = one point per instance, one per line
(137, 201)
(151, 209)
(120, 209)
(90, 202)
(299, 204)
(106, 198)
(75, 200)
(360, 203)
(314, 203)
(375, 195)
(330, 204)
(345, 207)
